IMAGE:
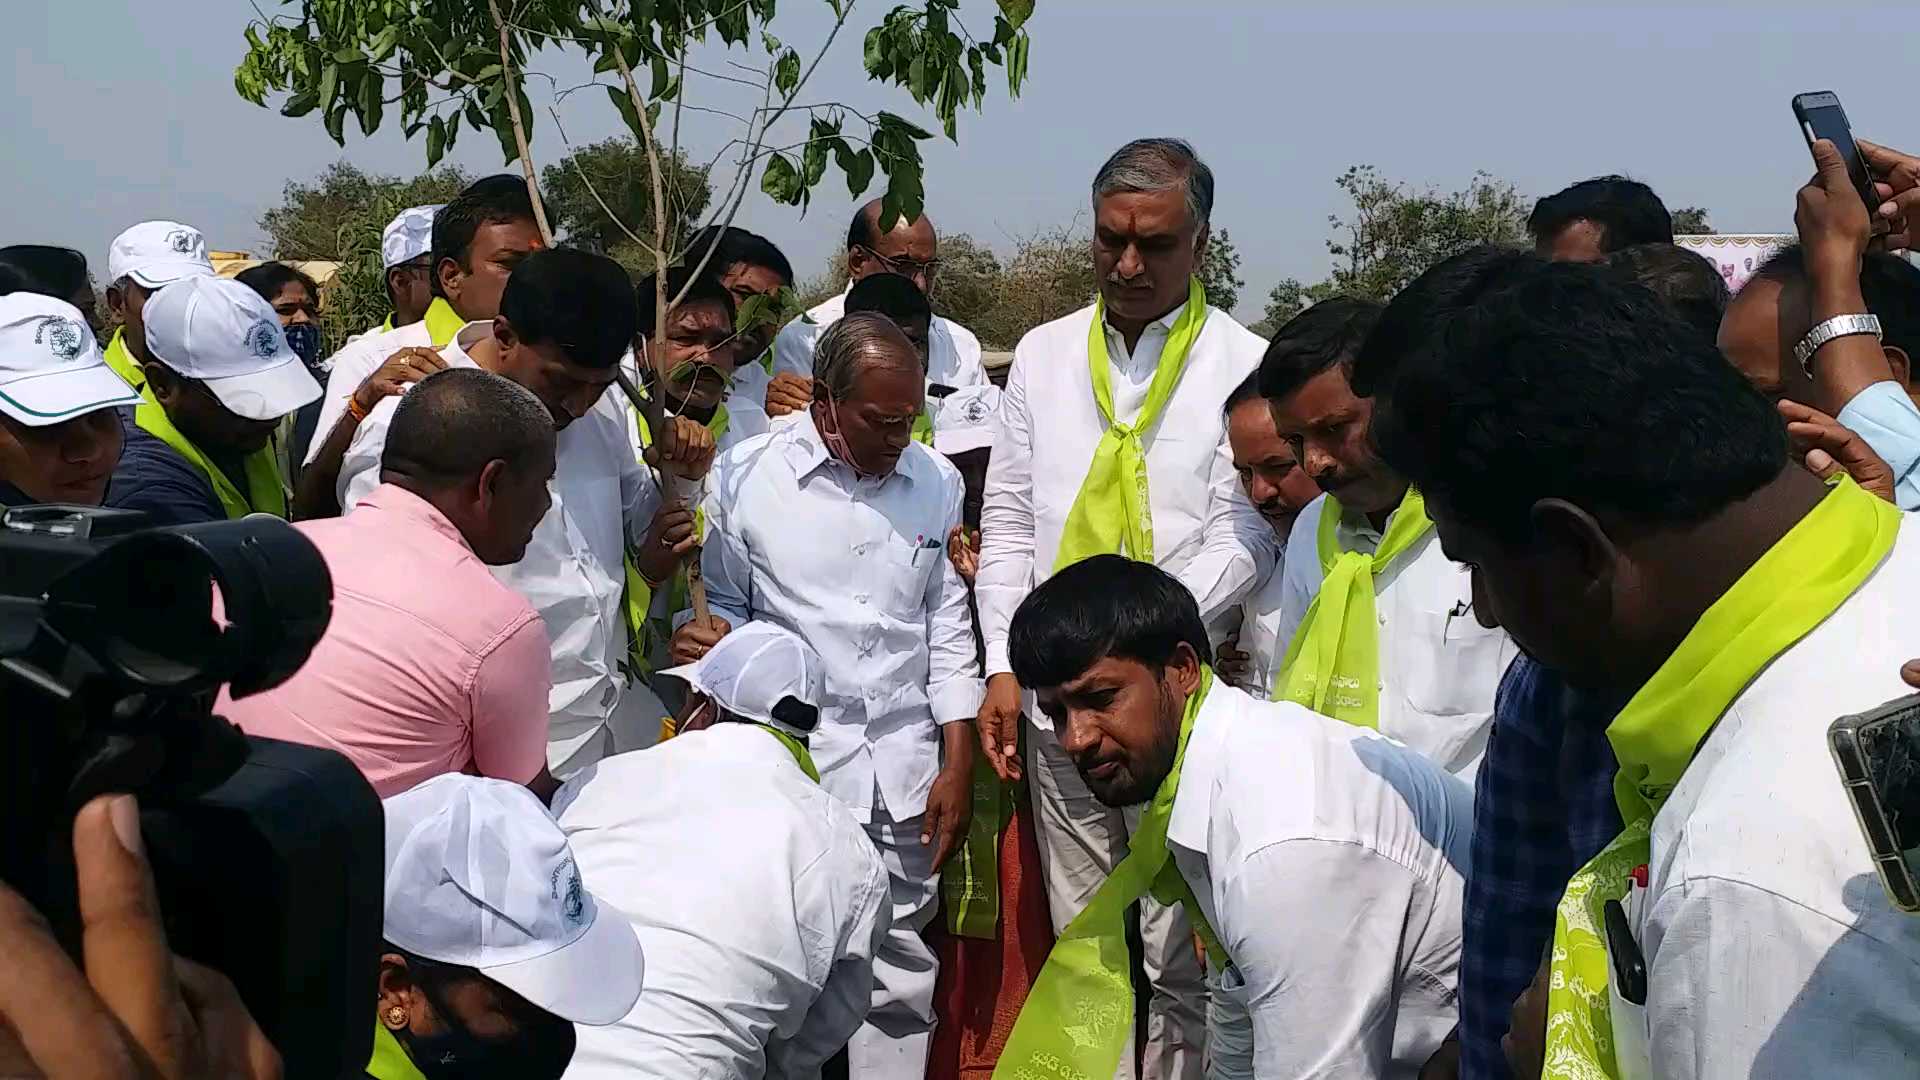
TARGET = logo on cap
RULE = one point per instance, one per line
(61, 336)
(181, 240)
(260, 339)
(570, 892)
(976, 411)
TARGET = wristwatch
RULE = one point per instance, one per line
(1837, 327)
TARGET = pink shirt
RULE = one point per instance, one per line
(429, 664)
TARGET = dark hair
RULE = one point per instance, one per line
(1565, 382)
(269, 278)
(48, 271)
(1627, 212)
(1328, 333)
(705, 289)
(1687, 281)
(738, 246)
(447, 428)
(1418, 310)
(1099, 607)
(1888, 283)
(1248, 390)
(896, 297)
(580, 301)
(488, 200)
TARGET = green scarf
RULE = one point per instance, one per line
(970, 882)
(801, 755)
(1328, 669)
(122, 361)
(266, 491)
(1793, 588)
(442, 322)
(642, 632)
(1111, 515)
(390, 1061)
(1079, 1014)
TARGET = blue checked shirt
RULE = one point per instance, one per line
(1543, 806)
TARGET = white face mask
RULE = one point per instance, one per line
(837, 443)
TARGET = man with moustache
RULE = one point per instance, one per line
(1113, 441)
(1379, 623)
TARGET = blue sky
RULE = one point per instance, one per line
(124, 111)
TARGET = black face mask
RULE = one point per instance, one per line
(304, 340)
(540, 1050)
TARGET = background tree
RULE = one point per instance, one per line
(1219, 272)
(1691, 221)
(969, 281)
(600, 192)
(1394, 234)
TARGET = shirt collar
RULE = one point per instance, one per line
(1164, 322)
(1200, 769)
(398, 501)
(470, 335)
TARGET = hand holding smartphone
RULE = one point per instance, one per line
(1821, 117)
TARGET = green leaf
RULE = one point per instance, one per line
(659, 76)
(813, 162)
(780, 182)
(878, 65)
(502, 123)
(1016, 11)
(334, 122)
(977, 63)
(859, 170)
(436, 141)
(346, 56)
(1002, 31)
(383, 44)
(769, 43)
(623, 102)
(786, 73)
(487, 73)
(1017, 65)
(329, 86)
(917, 78)
(299, 104)
(893, 122)
(476, 116)
(370, 104)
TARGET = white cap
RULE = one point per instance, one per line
(408, 236)
(967, 419)
(755, 668)
(50, 365)
(222, 333)
(156, 253)
(480, 875)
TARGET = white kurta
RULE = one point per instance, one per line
(1439, 668)
(350, 365)
(1330, 863)
(573, 572)
(1771, 949)
(758, 900)
(1205, 532)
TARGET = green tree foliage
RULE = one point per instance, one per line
(616, 171)
(1219, 272)
(1395, 233)
(338, 217)
(1691, 221)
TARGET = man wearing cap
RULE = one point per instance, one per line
(406, 247)
(494, 948)
(565, 319)
(478, 239)
(911, 250)
(59, 426)
(757, 896)
(142, 260)
(220, 378)
(463, 484)
(834, 528)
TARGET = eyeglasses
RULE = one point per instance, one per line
(905, 267)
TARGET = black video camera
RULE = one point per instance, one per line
(268, 856)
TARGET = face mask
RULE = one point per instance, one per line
(837, 443)
(304, 340)
(538, 1052)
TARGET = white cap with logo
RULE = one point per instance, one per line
(408, 236)
(156, 253)
(50, 365)
(480, 875)
(753, 669)
(967, 419)
(222, 333)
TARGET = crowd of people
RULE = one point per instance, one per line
(1353, 703)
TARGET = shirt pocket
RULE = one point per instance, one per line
(1454, 666)
(908, 564)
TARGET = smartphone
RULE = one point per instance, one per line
(1878, 753)
(1821, 117)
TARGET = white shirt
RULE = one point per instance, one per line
(1205, 532)
(573, 572)
(1771, 949)
(857, 567)
(953, 353)
(1329, 862)
(758, 900)
(1439, 668)
(350, 365)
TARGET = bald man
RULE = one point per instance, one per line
(911, 250)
